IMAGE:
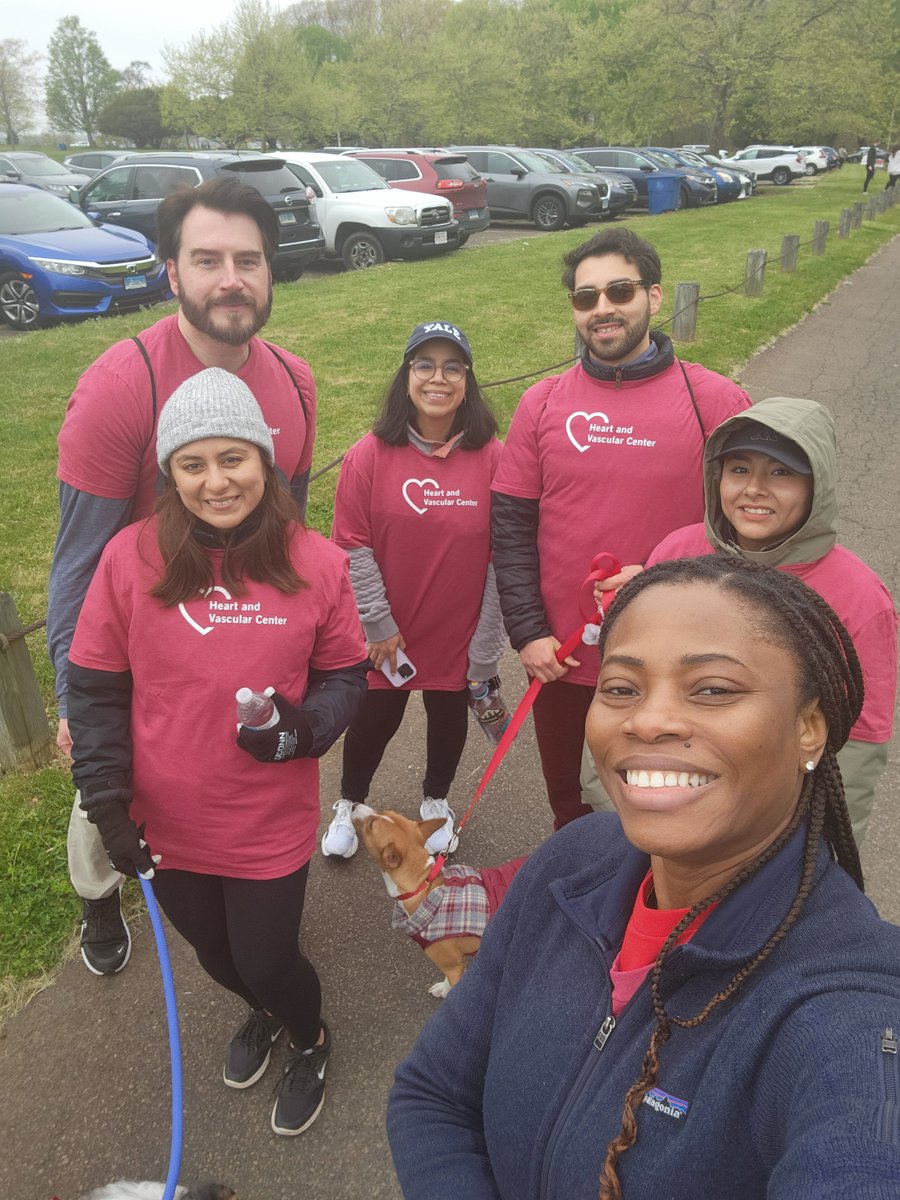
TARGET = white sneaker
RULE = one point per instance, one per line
(340, 836)
(444, 840)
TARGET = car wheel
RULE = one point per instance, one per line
(781, 175)
(19, 306)
(548, 213)
(810, 169)
(463, 238)
(684, 198)
(289, 275)
(362, 250)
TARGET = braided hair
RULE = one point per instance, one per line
(796, 618)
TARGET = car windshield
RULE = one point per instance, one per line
(534, 162)
(38, 212)
(271, 181)
(38, 165)
(694, 159)
(551, 164)
(349, 175)
(661, 159)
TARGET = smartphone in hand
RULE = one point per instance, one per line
(404, 673)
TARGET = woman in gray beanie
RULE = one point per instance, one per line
(222, 588)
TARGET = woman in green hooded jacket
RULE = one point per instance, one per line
(769, 479)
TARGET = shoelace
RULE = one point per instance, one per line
(106, 921)
(301, 1073)
(255, 1031)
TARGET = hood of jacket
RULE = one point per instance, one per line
(811, 426)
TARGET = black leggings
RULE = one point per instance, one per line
(379, 718)
(245, 934)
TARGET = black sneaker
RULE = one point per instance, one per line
(248, 1051)
(105, 938)
(301, 1090)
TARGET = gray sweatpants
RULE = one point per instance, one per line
(92, 876)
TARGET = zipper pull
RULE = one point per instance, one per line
(618, 378)
(604, 1031)
(888, 1042)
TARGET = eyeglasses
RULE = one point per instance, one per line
(621, 292)
(424, 369)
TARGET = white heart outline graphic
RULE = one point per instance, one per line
(190, 620)
(588, 417)
(421, 483)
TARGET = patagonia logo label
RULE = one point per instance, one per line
(668, 1106)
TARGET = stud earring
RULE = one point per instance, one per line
(810, 765)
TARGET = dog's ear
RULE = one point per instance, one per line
(432, 825)
(391, 857)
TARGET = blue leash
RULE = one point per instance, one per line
(165, 967)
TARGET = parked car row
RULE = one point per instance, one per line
(357, 204)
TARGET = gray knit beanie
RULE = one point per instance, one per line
(213, 403)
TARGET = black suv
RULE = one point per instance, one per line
(129, 194)
(524, 185)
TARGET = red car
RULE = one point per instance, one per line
(450, 176)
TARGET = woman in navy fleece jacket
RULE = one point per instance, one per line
(699, 1004)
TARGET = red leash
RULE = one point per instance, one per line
(602, 567)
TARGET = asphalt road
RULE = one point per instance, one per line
(86, 1097)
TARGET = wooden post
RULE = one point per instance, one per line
(790, 246)
(870, 208)
(857, 214)
(25, 738)
(755, 273)
(846, 218)
(819, 238)
(684, 320)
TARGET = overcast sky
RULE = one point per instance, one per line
(125, 31)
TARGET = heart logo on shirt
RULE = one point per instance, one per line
(587, 418)
(419, 483)
(190, 620)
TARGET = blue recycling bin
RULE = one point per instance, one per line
(662, 193)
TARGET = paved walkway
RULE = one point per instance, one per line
(86, 1095)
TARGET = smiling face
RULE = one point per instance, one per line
(763, 500)
(698, 734)
(615, 333)
(219, 480)
(437, 399)
(221, 277)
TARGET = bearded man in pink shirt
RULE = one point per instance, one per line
(606, 457)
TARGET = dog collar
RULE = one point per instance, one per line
(429, 878)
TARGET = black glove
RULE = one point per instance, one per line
(291, 738)
(107, 808)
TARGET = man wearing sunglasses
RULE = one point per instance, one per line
(596, 460)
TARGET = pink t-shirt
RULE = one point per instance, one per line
(615, 469)
(427, 521)
(209, 806)
(863, 604)
(107, 446)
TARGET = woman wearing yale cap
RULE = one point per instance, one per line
(222, 588)
(413, 510)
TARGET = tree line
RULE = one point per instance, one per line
(533, 72)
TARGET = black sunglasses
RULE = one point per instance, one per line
(620, 292)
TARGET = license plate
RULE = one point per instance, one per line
(474, 214)
(287, 218)
(440, 239)
(134, 283)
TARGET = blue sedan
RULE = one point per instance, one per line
(56, 263)
(729, 184)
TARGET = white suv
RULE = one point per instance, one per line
(778, 163)
(365, 220)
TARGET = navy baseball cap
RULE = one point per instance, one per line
(751, 435)
(438, 329)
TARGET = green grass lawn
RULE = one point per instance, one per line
(352, 328)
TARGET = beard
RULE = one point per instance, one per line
(632, 334)
(231, 328)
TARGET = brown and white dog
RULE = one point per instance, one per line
(444, 909)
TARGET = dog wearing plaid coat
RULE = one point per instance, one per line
(444, 909)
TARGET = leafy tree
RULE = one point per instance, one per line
(135, 75)
(18, 88)
(80, 80)
(135, 114)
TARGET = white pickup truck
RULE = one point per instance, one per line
(363, 219)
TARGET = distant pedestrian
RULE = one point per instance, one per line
(871, 159)
(893, 167)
